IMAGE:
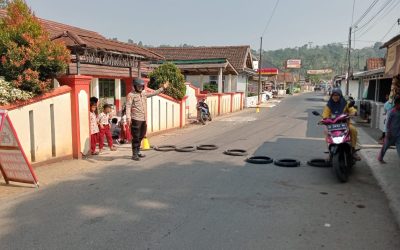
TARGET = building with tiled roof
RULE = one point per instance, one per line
(111, 63)
(228, 67)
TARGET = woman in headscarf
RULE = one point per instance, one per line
(336, 106)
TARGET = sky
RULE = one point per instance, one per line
(226, 22)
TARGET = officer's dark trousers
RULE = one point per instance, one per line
(138, 131)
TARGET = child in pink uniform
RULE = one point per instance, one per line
(104, 125)
(94, 129)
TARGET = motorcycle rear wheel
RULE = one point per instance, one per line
(339, 167)
(202, 119)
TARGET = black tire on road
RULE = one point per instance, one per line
(207, 147)
(186, 149)
(290, 163)
(260, 160)
(165, 148)
(319, 163)
(236, 152)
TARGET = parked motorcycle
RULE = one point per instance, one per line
(339, 141)
(204, 113)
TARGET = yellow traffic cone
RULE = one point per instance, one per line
(145, 144)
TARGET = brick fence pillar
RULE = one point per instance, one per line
(80, 91)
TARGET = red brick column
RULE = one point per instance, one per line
(232, 95)
(219, 102)
(80, 86)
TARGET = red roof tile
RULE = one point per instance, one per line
(73, 36)
(238, 56)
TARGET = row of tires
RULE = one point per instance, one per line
(286, 162)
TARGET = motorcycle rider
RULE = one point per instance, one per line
(336, 106)
(202, 105)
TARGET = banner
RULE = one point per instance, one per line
(319, 71)
(269, 71)
(293, 64)
(14, 165)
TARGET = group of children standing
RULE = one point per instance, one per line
(103, 126)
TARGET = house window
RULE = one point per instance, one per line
(106, 88)
(123, 88)
(214, 79)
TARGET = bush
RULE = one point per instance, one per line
(10, 94)
(169, 72)
(210, 87)
(29, 59)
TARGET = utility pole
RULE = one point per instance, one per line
(259, 73)
(349, 65)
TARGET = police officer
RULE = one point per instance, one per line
(136, 113)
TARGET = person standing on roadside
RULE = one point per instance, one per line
(393, 130)
(136, 113)
(104, 127)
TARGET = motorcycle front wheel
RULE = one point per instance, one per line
(339, 166)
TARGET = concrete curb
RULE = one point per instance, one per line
(386, 186)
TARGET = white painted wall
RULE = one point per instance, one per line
(162, 114)
(191, 101)
(42, 127)
(241, 85)
(84, 121)
(212, 102)
(237, 98)
(354, 87)
(94, 87)
(225, 104)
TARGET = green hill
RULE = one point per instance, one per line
(332, 56)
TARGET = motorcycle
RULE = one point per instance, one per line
(204, 113)
(339, 141)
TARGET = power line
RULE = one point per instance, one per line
(385, 14)
(376, 14)
(391, 28)
(366, 12)
(270, 18)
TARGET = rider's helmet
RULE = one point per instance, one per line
(138, 84)
(336, 91)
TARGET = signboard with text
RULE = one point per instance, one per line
(319, 71)
(14, 166)
(293, 64)
(268, 71)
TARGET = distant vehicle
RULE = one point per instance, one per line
(317, 88)
(268, 94)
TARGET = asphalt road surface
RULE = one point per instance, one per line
(207, 200)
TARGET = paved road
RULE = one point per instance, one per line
(209, 200)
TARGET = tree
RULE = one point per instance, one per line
(29, 60)
(169, 72)
(130, 41)
(140, 44)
